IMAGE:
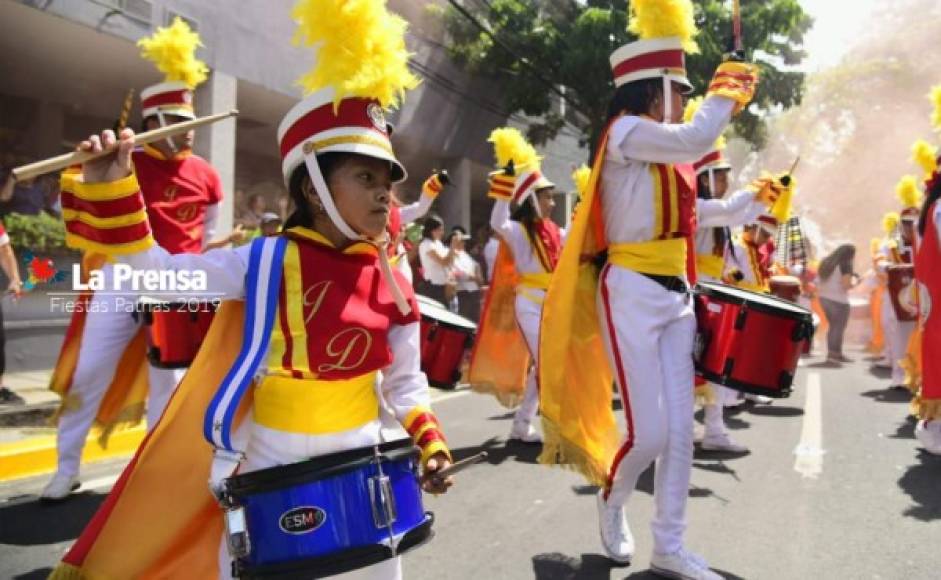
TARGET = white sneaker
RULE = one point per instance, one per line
(616, 536)
(929, 438)
(759, 399)
(682, 565)
(59, 487)
(721, 442)
(525, 431)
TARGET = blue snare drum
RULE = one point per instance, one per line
(328, 515)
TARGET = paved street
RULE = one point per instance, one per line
(835, 488)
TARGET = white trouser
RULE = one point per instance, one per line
(896, 335)
(649, 333)
(109, 327)
(268, 448)
(528, 315)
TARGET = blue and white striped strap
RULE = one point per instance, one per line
(263, 282)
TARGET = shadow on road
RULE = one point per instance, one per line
(30, 523)
(825, 364)
(503, 417)
(556, 566)
(774, 411)
(37, 574)
(499, 451)
(920, 483)
(906, 429)
(648, 575)
(888, 395)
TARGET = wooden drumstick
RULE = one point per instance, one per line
(77, 157)
(461, 465)
(786, 178)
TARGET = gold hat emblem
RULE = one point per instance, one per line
(378, 118)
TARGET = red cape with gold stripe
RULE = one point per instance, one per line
(160, 521)
(575, 377)
(500, 359)
(123, 403)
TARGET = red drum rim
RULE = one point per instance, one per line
(317, 468)
(754, 301)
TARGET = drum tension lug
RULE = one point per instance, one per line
(727, 370)
(741, 317)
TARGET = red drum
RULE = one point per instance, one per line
(445, 337)
(902, 291)
(749, 342)
(786, 287)
(175, 330)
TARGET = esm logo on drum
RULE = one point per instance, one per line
(302, 520)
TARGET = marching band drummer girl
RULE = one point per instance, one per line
(647, 215)
(341, 315)
(535, 242)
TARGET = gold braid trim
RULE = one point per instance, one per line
(65, 571)
(928, 410)
(557, 452)
(508, 400)
(706, 395)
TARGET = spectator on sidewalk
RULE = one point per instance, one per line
(435, 259)
(9, 266)
(467, 276)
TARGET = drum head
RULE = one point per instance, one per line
(762, 302)
(785, 281)
(423, 300)
(445, 317)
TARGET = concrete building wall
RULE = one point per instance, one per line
(247, 43)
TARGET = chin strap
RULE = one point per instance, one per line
(381, 244)
(400, 302)
(173, 148)
(667, 100)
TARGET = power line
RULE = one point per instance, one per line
(522, 59)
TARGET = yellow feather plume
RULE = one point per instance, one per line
(173, 49)
(890, 221)
(925, 156)
(874, 245)
(936, 100)
(908, 193)
(510, 145)
(660, 18)
(360, 49)
(692, 107)
(581, 177)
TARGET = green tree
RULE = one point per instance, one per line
(537, 49)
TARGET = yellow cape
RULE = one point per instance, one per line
(160, 521)
(575, 378)
(500, 359)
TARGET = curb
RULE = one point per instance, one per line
(37, 455)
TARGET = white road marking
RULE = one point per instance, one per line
(107, 481)
(809, 451)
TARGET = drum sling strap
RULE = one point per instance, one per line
(262, 285)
